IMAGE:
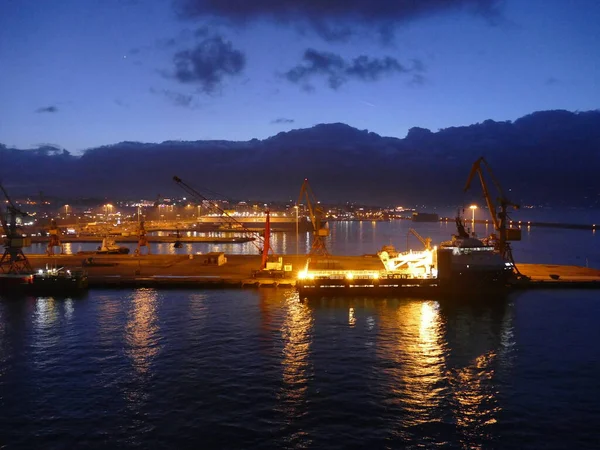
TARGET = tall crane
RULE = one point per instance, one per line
(317, 215)
(13, 260)
(425, 241)
(261, 243)
(54, 240)
(499, 214)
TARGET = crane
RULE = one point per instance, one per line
(316, 214)
(425, 241)
(261, 243)
(14, 260)
(54, 241)
(499, 217)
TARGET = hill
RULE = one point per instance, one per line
(545, 157)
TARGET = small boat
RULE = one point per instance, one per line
(109, 247)
(59, 281)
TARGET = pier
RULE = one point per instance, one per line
(240, 271)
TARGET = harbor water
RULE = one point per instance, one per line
(260, 369)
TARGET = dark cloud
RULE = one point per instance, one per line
(338, 71)
(334, 19)
(282, 120)
(47, 109)
(208, 63)
(177, 98)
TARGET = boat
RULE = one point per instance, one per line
(15, 281)
(463, 267)
(425, 217)
(469, 263)
(109, 247)
(52, 281)
(255, 223)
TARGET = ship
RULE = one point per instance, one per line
(466, 263)
(462, 267)
(110, 247)
(255, 223)
(53, 281)
(425, 217)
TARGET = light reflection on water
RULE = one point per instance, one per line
(142, 331)
(374, 373)
(296, 335)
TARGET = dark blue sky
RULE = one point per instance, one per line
(84, 73)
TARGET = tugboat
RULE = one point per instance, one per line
(59, 281)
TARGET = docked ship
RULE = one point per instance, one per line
(52, 281)
(425, 217)
(470, 264)
(255, 223)
(461, 267)
(110, 247)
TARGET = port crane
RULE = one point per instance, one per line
(499, 214)
(316, 214)
(14, 260)
(54, 241)
(425, 241)
(262, 243)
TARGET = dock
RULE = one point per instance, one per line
(239, 239)
(240, 271)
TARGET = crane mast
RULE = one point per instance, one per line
(316, 214)
(13, 260)
(499, 218)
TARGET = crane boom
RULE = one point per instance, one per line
(425, 241)
(499, 218)
(316, 214)
(260, 242)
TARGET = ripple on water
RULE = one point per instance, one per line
(260, 369)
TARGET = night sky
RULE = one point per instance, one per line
(84, 73)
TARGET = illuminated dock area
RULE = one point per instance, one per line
(241, 271)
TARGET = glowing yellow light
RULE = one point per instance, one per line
(349, 275)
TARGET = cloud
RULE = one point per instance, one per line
(177, 98)
(338, 71)
(282, 120)
(333, 19)
(47, 109)
(208, 63)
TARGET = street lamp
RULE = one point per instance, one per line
(473, 208)
(297, 238)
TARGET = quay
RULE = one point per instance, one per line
(241, 271)
(152, 239)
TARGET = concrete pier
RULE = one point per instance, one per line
(240, 271)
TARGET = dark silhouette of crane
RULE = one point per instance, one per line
(13, 260)
(54, 238)
(262, 243)
(425, 241)
(317, 216)
(499, 213)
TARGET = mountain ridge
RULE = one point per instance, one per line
(545, 156)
